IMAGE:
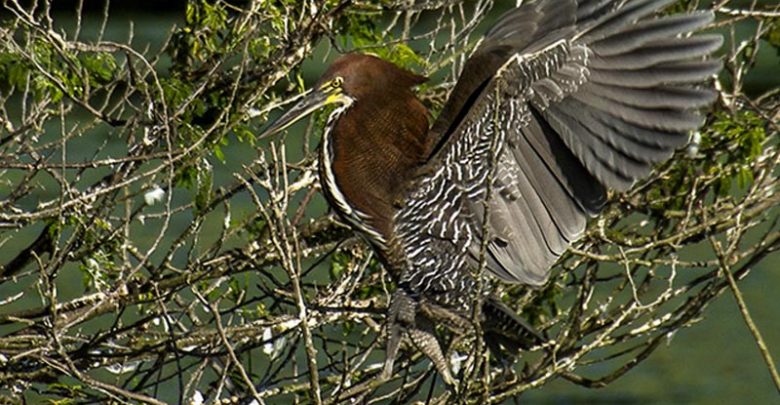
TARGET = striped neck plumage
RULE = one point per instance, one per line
(356, 217)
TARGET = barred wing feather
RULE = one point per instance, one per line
(561, 101)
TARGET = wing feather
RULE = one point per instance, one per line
(650, 30)
(675, 97)
(667, 50)
(563, 99)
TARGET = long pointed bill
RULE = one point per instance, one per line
(316, 99)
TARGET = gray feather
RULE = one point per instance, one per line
(609, 165)
(617, 21)
(661, 139)
(656, 118)
(656, 97)
(646, 151)
(665, 73)
(646, 31)
(659, 52)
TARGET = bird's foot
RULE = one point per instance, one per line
(404, 319)
(425, 340)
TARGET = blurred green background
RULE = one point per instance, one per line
(714, 362)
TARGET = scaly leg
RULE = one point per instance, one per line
(423, 336)
(400, 314)
(403, 316)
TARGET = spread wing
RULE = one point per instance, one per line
(561, 101)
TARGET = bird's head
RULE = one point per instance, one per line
(350, 78)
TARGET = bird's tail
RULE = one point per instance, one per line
(504, 329)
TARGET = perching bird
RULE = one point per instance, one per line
(562, 100)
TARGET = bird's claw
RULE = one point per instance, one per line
(405, 317)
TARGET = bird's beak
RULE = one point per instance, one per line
(312, 101)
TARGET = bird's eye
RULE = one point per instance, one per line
(337, 82)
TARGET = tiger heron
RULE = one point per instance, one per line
(561, 101)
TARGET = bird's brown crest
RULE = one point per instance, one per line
(366, 73)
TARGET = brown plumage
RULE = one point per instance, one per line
(378, 144)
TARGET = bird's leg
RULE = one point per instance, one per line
(404, 316)
(401, 313)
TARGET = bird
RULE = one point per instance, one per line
(560, 102)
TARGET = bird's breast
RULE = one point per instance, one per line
(368, 154)
(339, 201)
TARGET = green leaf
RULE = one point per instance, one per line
(205, 181)
(338, 264)
(100, 65)
(219, 154)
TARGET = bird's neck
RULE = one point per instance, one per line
(372, 151)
